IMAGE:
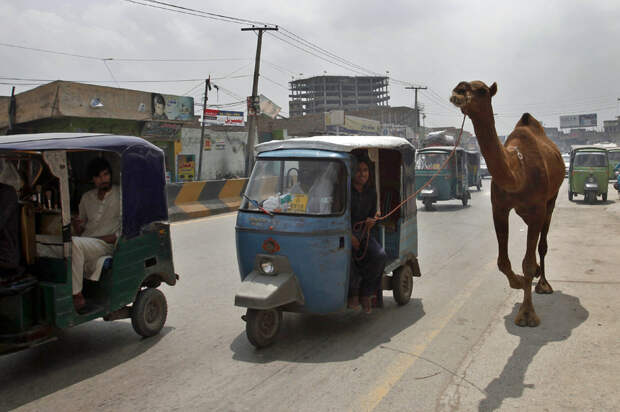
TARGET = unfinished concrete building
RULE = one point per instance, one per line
(324, 93)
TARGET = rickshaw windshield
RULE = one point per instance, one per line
(296, 186)
(590, 159)
(430, 161)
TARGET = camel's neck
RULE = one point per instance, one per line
(494, 152)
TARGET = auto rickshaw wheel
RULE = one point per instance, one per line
(428, 205)
(604, 195)
(149, 312)
(262, 326)
(402, 284)
(464, 199)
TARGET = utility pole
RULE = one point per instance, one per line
(416, 108)
(202, 132)
(253, 104)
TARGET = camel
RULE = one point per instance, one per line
(526, 174)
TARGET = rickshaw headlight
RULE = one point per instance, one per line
(267, 267)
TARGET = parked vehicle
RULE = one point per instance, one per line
(450, 183)
(47, 171)
(293, 230)
(473, 169)
(566, 158)
(588, 173)
(614, 160)
(484, 171)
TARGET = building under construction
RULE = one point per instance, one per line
(324, 93)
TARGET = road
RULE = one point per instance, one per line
(453, 347)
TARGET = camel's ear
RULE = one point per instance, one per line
(493, 89)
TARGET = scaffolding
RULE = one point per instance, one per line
(324, 93)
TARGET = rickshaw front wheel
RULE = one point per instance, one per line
(262, 326)
(402, 284)
(149, 312)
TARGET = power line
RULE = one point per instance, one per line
(124, 81)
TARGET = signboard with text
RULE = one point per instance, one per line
(223, 117)
(578, 120)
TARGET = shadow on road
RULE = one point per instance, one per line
(331, 338)
(79, 354)
(559, 314)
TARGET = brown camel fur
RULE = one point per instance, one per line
(526, 173)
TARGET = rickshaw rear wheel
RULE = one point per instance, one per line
(262, 326)
(149, 312)
(402, 284)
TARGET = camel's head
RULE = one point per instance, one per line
(472, 97)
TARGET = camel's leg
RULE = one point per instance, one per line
(543, 285)
(527, 315)
(500, 220)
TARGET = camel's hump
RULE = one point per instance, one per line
(525, 119)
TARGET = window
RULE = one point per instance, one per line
(296, 186)
(591, 159)
(430, 161)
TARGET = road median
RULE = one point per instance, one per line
(192, 200)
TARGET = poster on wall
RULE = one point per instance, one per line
(186, 167)
(170, 107)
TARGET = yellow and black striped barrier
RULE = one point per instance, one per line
(191, 200)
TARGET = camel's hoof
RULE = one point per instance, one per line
(543, 288)
(530, 320)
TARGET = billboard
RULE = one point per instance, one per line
(354, 125)
(578, 120)
(268, 108)
(223, 117)
(169, 107)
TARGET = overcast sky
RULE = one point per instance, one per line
(548, 58)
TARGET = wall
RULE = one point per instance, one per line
(225, 159)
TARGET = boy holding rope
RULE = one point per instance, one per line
(369, 258)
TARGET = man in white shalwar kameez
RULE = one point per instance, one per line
(97, 228)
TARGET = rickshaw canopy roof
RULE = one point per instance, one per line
(339, 143)
(142, 169)
(441, 149)
(588, 147)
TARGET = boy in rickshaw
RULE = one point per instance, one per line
(369, 258)
(96, 229)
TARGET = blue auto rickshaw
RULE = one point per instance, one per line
(46, 174)
(293, 230)
(452, 182)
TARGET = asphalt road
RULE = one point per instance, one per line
(453, 347)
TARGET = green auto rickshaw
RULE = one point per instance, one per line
(473, 169)
(614, 159)
(43, 177)
(588, 173)
(450, 183)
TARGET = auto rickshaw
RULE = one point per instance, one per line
(450, 183)
(588, 173)
(46, 174)
(474, 177)
(293, 230)
(614, 160)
